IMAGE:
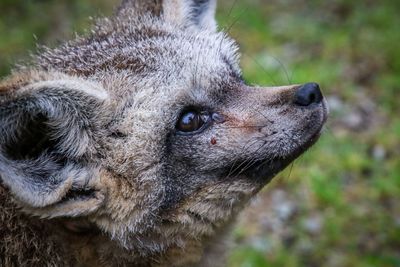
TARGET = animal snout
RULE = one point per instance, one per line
(308, 94)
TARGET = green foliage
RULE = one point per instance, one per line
(27, 23)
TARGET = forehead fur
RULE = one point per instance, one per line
(146, 46)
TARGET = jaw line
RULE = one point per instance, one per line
(264, 170)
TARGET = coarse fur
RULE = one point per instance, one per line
(93, 169)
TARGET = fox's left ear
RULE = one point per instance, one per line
(48, 133)
(198, 14)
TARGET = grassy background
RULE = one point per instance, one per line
(338, 205)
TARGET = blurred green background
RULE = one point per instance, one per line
(339, 204)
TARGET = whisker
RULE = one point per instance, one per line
(250, 164)
(231, 171)
(228, 29)
(285, 70)
(236, 20)
(248, 161)
(290, 170)
(231, 8)
(262, 114)
(263, 68)
(244, 149)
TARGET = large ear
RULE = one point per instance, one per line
(199, 14)
(48, 132)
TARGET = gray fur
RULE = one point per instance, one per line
(116, 181)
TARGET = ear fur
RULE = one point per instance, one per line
(47, 138)
(191, 13)
(197, 14)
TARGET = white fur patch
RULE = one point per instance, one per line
(89, 88)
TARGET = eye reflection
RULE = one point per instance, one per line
(191, 121)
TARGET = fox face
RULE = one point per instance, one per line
(146, 132)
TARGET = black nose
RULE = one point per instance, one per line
(308, 94)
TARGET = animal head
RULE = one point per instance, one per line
(146, 130)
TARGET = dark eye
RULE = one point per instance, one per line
(191, 121)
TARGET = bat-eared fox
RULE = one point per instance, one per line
(139, 143)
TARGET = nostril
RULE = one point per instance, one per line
(308, 94)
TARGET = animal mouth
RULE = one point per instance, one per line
(264, 170)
